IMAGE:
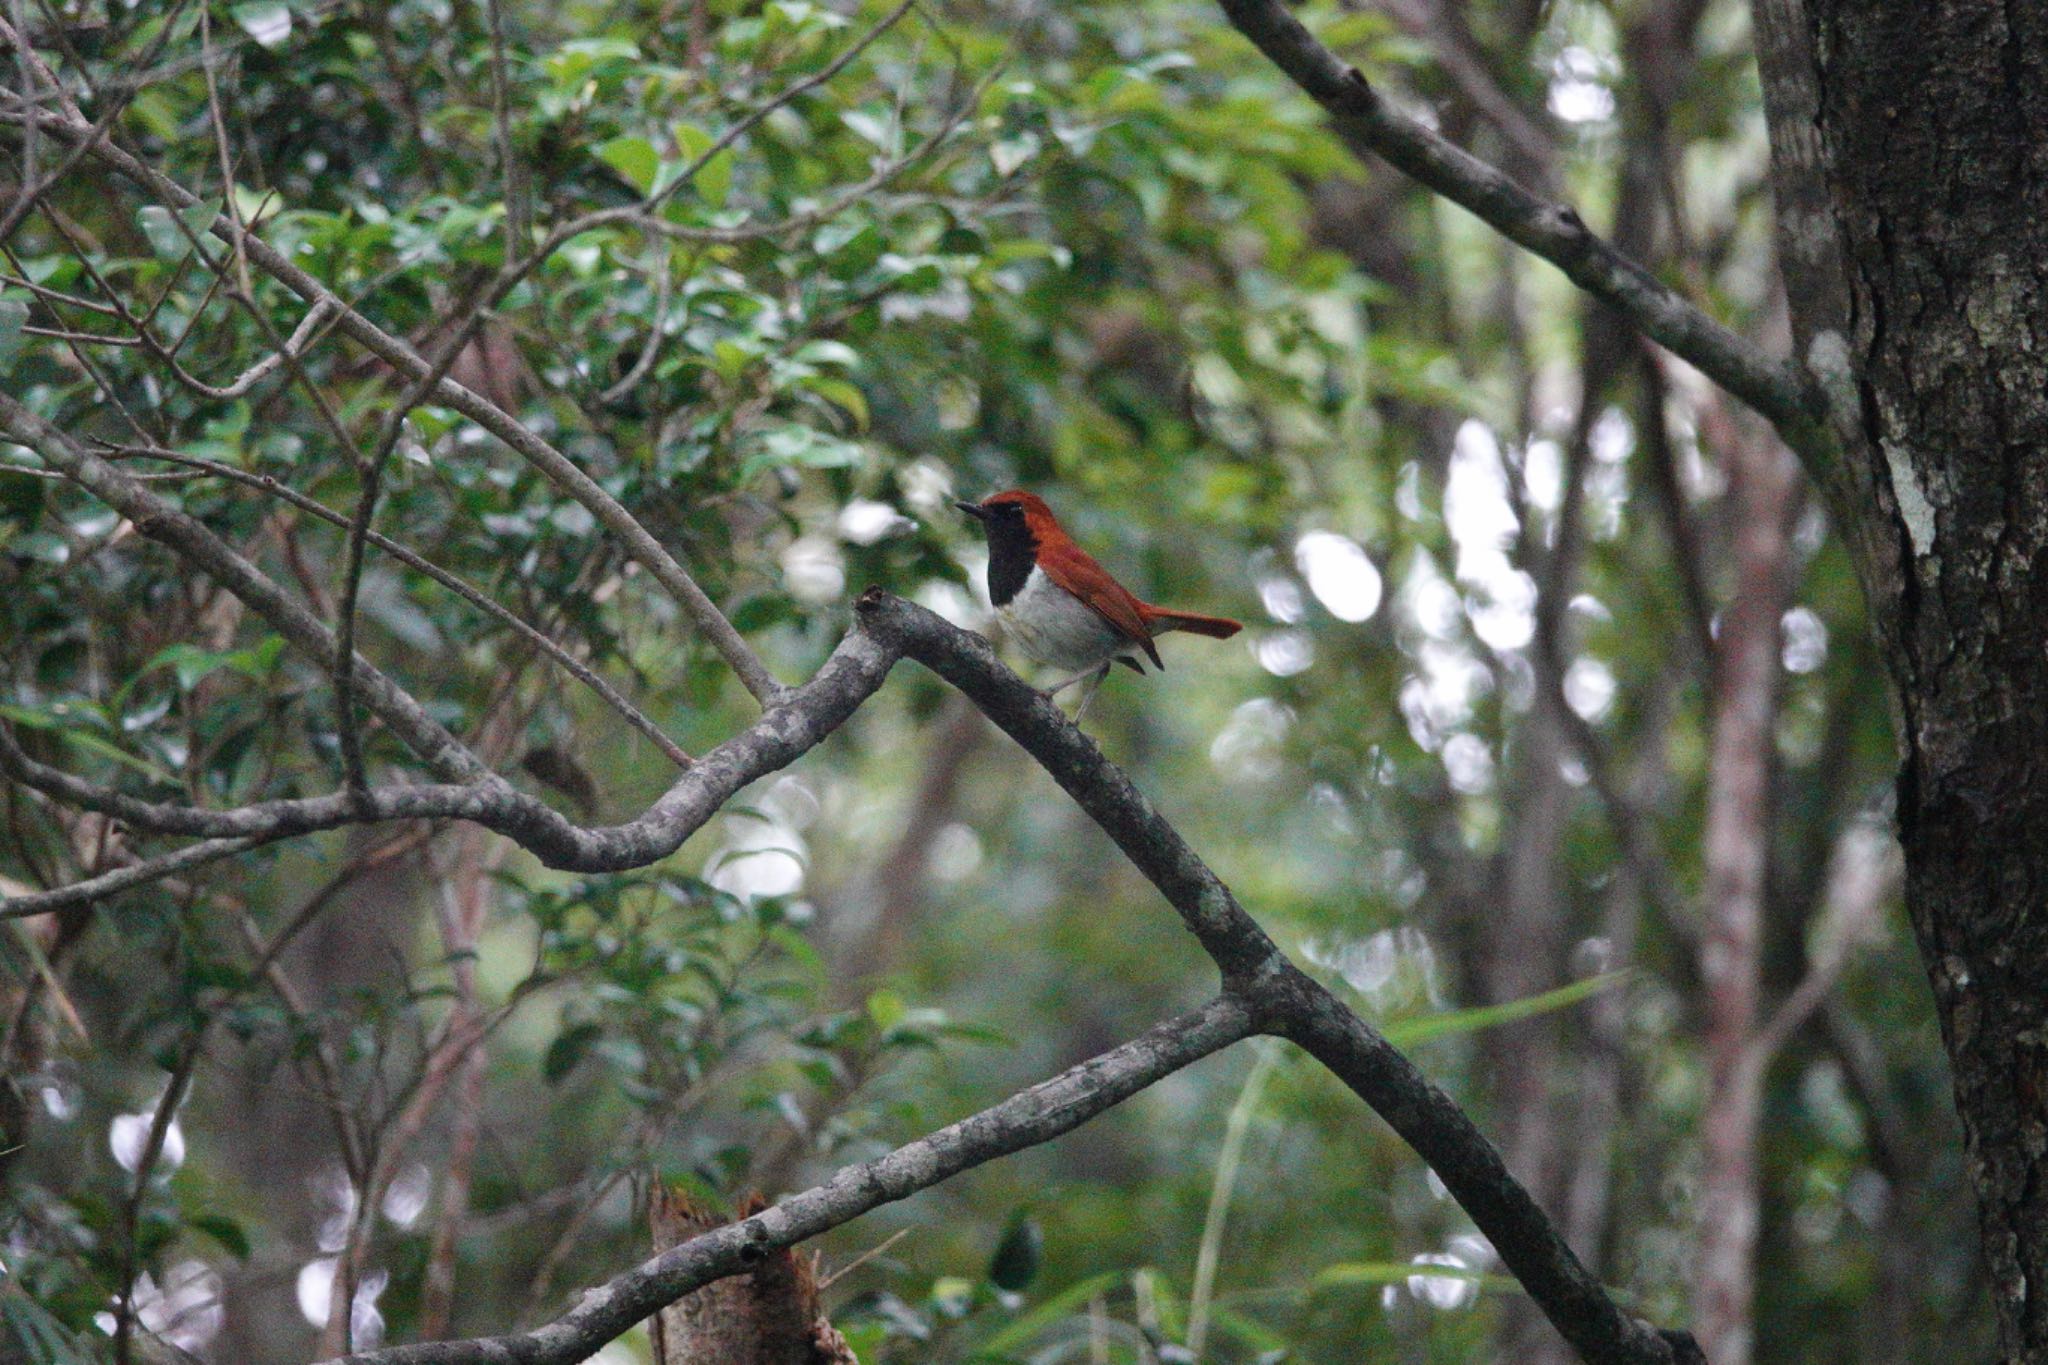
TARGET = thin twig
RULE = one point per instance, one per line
(204, 550)
(124, 878)
(501, 117)
(533, 635)
(1775, 388)
(1026, 1119)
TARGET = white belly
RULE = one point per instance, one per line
(1055, 627)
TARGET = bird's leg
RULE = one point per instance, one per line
(1094, 686)
(1065, 683)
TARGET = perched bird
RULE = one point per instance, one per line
(1060, 606)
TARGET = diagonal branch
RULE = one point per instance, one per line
(162, 521)
(1777, 389)
(124, 878)
(533, 635)
(1026, 1119)
(806, 717)
(1262, 989)
(395, 352)
(1289, 1002)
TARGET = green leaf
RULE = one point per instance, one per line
(1026, 1326)
(1408, 1032)
(94, 744)
(632, 157)
(13, 317)
(802, 446)
(849, 250)
(887, 1009)
(843, 394)
(567, 1050)
(45, 547)
(42, 1338)
(21, 499)
(1018, 1256)
(1250, 1331)
(268, 22)
(60, 716)
(191, 664)
(224, 1230)
(763, 610)
(874, 123)
(827, 352)
(713, 181)
(1010, 153)
(166, 238)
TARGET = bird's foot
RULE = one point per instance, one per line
(1088, 696)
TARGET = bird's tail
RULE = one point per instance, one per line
(1215, 627)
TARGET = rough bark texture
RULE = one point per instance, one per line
(1929, 122)
(1262, 992)
(765, 1316)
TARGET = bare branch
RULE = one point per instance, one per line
(657, 332)
(1444, 28)
(419, 563)
(1865, 874)
(810, 713)
(501, 118)
(395, 352)
(1026, 1119)
(161, 521)
(370, 469)
(1748, 687)
(123, 879)
(1780, 391)
(310, 329)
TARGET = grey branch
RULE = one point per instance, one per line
(1775, 388)
(162, 521)
(393, 351)
(1030, 1117)
(794, 726)
(1259, 981)
(124, 878)
(1287, 1001)
(569, 663)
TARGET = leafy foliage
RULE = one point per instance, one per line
(833, 265)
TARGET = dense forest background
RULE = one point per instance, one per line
(1556, 743)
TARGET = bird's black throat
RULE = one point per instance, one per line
(1012, 551)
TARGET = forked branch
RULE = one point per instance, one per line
(1263, 990)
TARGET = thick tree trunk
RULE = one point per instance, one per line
(1929, 122)
(766, 1316)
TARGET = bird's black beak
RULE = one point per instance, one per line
(972, 509)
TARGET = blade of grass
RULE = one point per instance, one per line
(1423, 1028)
(1228, 1160)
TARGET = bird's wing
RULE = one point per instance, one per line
(1071, 568)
